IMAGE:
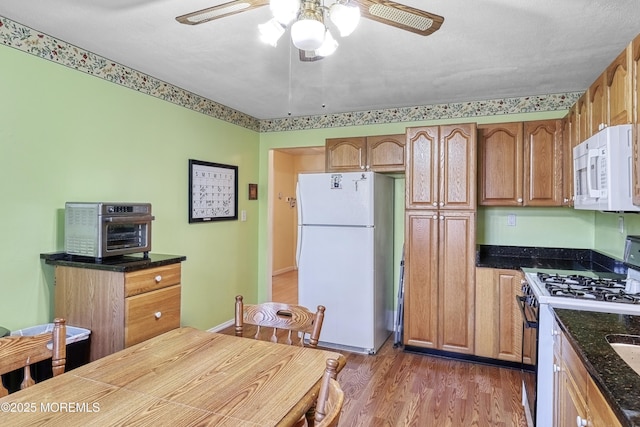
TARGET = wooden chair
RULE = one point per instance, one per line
(21, 351)
(330, 397)
(288, 317)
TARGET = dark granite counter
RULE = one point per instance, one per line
(619, 384)
(517, 257)
(124, 263)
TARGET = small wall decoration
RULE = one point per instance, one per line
(213, 191)
(253, 191)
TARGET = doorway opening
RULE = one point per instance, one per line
(284, 166)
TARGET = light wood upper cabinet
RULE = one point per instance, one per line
(567, 160)
(441, 167)
(584, 129)
(635, 71)
(440, 280)
(382, 153)
(498, 321)
(543, 163)
(597, 105)
(618, 79)
(345, 154)
(521, 163)
(500, 164)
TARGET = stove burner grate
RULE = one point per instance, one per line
(584, 287)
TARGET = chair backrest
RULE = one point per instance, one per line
(277, 316)
(330, 397)
(20, 351)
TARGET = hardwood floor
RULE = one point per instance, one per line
(397, 388)
(284, 287)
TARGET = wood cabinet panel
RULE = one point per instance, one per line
(421, 280)
(543, 163)
(381, 153)
(456, 281)
(618, 79)
(441, 167)
(151, 314)
(458, 176)
(500, 164)
(422, 171)
(440, 280)
(635, 70)
(567, 161)
(583, 114)
(597, 108)
(498, 323)
(600, 413)
(386, 153)
(345, 154)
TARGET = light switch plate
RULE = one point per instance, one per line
(511, 220)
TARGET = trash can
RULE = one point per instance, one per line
(78, 346)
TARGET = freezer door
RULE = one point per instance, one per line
(336, 270)
(336, 198)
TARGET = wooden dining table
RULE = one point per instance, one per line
(184, 377)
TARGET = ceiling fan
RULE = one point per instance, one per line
(309, 32)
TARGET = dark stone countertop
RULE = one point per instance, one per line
(619, 384)
(517, 257)
(124, 263)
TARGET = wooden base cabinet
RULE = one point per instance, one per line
(439, 283)
(578, 400)
(498, 325)
(121, 309)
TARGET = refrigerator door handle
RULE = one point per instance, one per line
(299, 239)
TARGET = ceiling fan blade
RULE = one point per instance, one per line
(220, 11)
(309, 56)
(400, 16)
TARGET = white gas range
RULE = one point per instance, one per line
(546, 289)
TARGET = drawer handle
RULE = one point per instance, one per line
(158, 278)
(581, 422)
(158, 314)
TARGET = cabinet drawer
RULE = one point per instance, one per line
(138, 282)
(151, 314)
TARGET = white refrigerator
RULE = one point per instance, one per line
(345, 256)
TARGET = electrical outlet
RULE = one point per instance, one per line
(511, 220)
(243, 215)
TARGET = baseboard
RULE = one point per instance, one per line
(222, 326)
(283, 270)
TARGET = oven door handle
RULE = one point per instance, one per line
(521, 300)
(129, 219)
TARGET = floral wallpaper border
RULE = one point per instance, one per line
(28, 40)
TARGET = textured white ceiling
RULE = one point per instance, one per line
(485, 49)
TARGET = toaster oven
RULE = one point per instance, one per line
(101, 230)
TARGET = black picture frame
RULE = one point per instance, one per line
(213, 191)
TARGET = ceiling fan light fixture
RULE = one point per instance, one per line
(285, 11)
(345, 17)
(307, 33)
(271, 31)
(329, 45)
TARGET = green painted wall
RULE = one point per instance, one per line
(68, 136)
(65, 135)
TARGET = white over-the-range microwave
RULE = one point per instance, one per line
(602, 168)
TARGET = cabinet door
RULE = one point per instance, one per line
(600, 413)
(567, 161)
(598, 113)
(458, 167)
(635, 67)
(498, 322)
(543, 163)
(385, 153)
(619, 89)
(456, 281)
(421, 279)
(422, 172)
(345, 154)
(500, 165)
(584, 130)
